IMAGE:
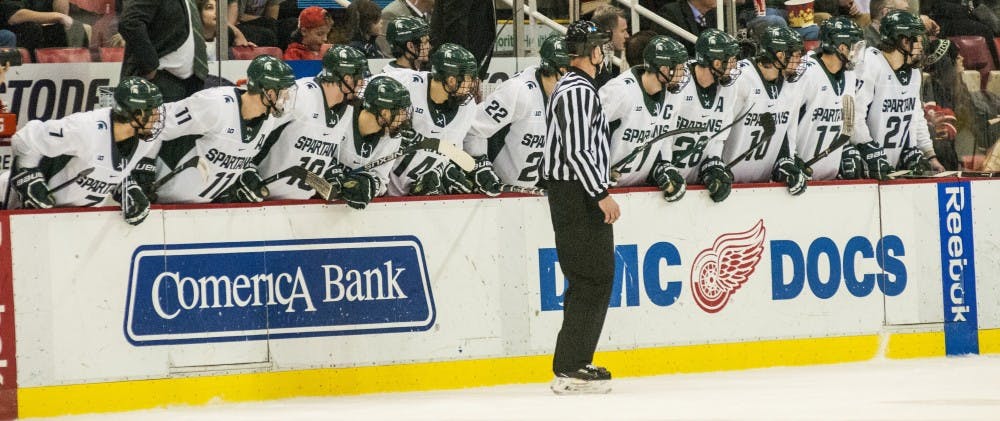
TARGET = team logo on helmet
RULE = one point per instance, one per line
(718, 272)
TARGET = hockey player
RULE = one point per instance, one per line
(442, 109)
(87, 157)
(316, 125)
(707, 102)
(766, 83)
(828, 76)
(891, 131)
(409, 38)
(221, 130)
(637, 107)
(510, 123)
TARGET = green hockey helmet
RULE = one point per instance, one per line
(899, 25)
(837, 31)
(664, 51)
(343, 60)
(553, 53)
(385, 93)
(453, 60)
(782, 39)
(713, 44)
(405, 29)
(136, 102)
(266, 73)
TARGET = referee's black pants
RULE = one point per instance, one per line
(585, 246)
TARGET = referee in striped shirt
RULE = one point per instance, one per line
(575, 169)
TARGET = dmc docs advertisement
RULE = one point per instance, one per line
(761, 265)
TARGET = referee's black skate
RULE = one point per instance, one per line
(590, 379)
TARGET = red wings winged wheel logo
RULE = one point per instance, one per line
(721, 270)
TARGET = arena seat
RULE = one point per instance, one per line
(63, 55)
(248, 53)
(112, 54)
(976, 55)
(95, 6)
(811, 45)
(25, 54)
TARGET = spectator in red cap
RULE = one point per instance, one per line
(314, 26)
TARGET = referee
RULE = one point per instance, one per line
(575, 168)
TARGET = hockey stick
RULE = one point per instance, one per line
(767, 121)
(76, 178)
(909, 174)
(450, 151)
(846, 131)
(317, 183)
(700, 145)
(191, 163)
(615, 170)
(534, 191)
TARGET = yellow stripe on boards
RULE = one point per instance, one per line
(915, 345)
(989, 341)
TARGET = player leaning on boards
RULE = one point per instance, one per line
(640, 105)
(509, 125)
(891, 131)
(575, 167)
(829, 76)
(442, 109)
(315, 126)
(761, 147)
(410, 41)
(86, 157)
(211, 136)
(708, 103)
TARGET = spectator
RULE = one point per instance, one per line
(880, 8)
(956, 19)
(364, 19)
(611, 20)
(257, 19)
(400, 8)
(693, 16)
(635, 46)
(471, 24)
(29, 25)
(165, 45)
(308, 39)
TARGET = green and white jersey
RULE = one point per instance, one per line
(208, 124)
(356, 150)
(821, 115)
(63, 148)
(432, 121)
(710, 108)
(888, 108)
(635, 117)
(780, 99)
(509, 127)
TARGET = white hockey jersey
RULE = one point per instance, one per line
(821, 115)
(509, 126)
(310, 138)
(208, 124)
(710, 108)
(63, 148)
(780, 99)
(635, 118)
(891, 107)
(401, 74)
(432, 123)
(357, 151)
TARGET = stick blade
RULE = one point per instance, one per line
(457, 155)
(847, 104)
(319, 184)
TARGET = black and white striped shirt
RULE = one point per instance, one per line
(577, 145)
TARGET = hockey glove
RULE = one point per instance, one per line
(335, 175)
(360, 188)
(484, 178)
(808, 171)
(31, 187)
(876, 165)
(144, 175)
(852, 167)
(716, 178)
(135, 203)
(248, 188)
(913, 159)
(669, 180)
(427, 184)
(454, 181)
(787, 172)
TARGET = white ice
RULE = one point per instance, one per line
(965, 388)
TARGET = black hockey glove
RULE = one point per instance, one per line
(454, 181)
(669, 180)
(427, 184)
(360, 188)
(787, 172)
(876, 165)
(852, 167)
(808, 171)
(144, 175)
(484, 178)
(135, 203)
(30, 186)
(335, 175)
(716, 178)
(248, 188)
(914, 160)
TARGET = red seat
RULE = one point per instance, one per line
(249, 53)
(96, 6)
(976, 55)
(811, 44)
(62, 55)
(25, 54)
(112, 54)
